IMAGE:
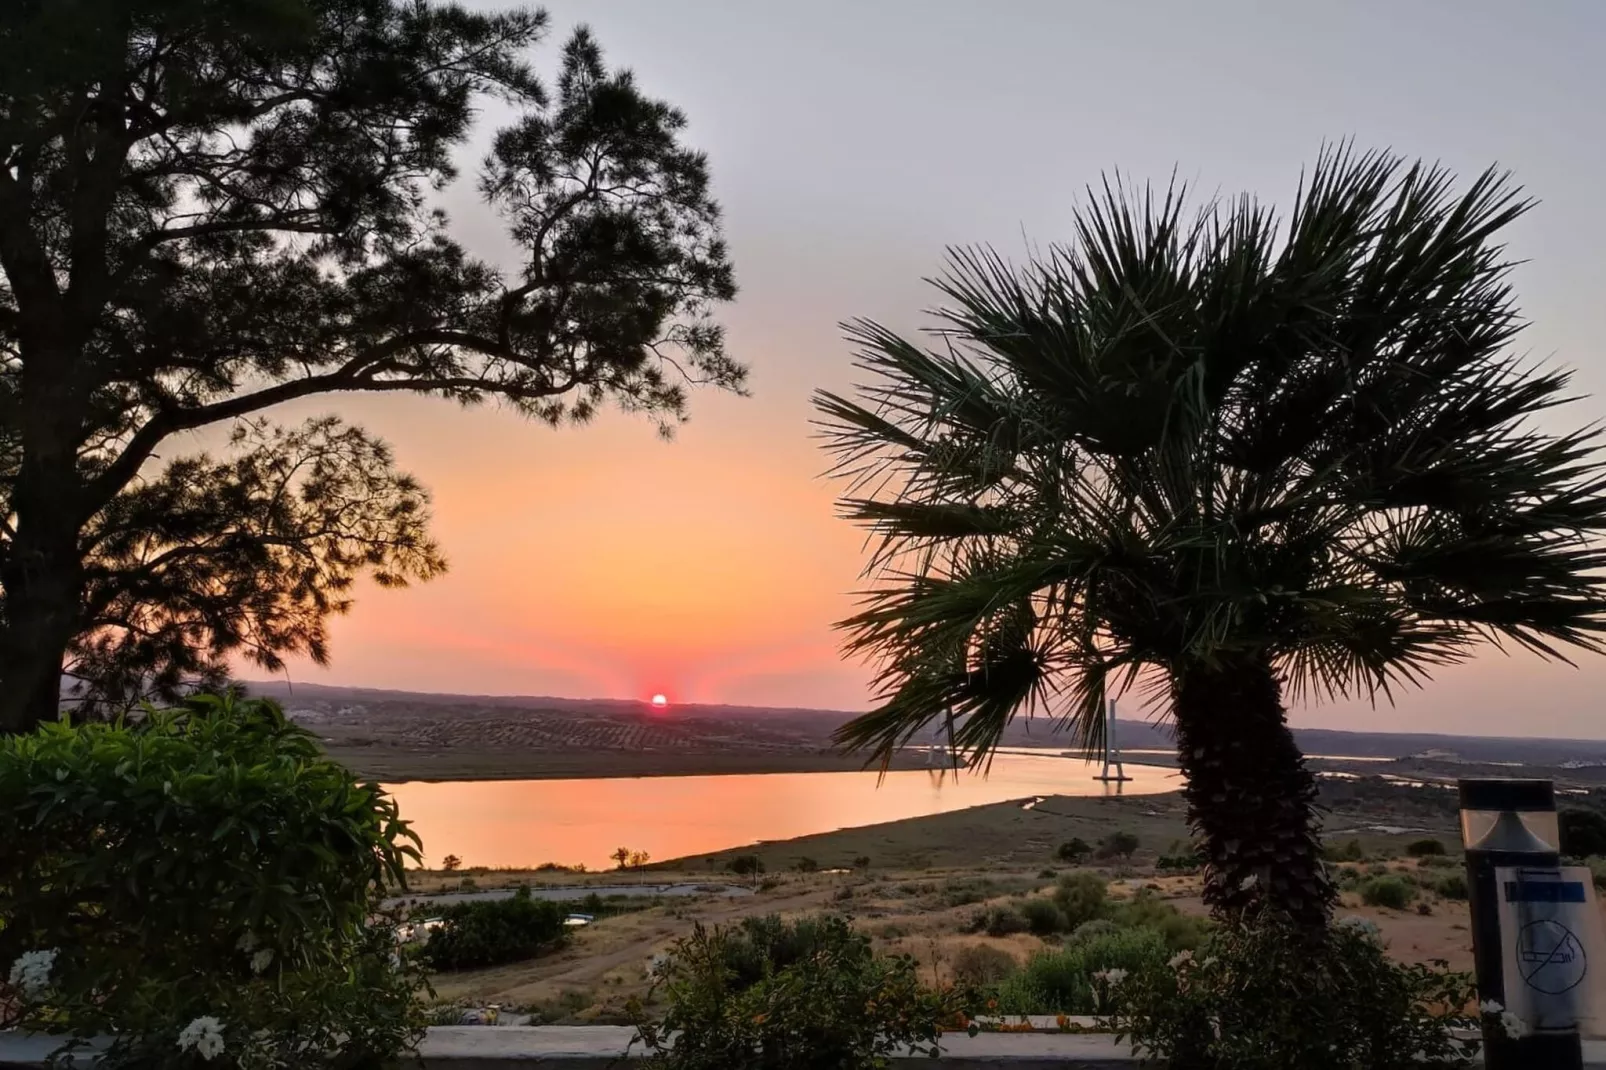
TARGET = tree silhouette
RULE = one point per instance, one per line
(210, 210)
(1074, 850)
(622, 855)
(747, 866)
(1219, 457)
(451, 863)
(1119, 844)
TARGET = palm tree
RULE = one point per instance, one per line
(1222, 458)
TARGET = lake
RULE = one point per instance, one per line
(527, 822)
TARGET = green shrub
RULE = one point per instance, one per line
(960, 895)
(1043, 917)
(1583, 832)
(1097, 927)
(1061, 981)
(768, 942)
(979, 965)
(1081, 897)
(1437, 862)
(997, 920)
(1452, 886)
(1261, 998)
(835, 1007)
(1348, 852)
(490, 932)
(1424, 848)
(1074, 851)
(1179, 931)
(1393, 892)
(1120, 844)
(1179, 863)
(205, 862)
(806, 865)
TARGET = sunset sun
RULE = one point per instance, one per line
(660, 702)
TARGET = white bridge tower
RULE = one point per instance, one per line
(1112, 751)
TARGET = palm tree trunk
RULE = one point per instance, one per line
(1251, 801)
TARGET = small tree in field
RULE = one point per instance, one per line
(211, 209)
(1074, 850)
(621, 855)
(451, 863)
(1118, 845)
(747, 866)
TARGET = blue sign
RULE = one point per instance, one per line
(1521, 891)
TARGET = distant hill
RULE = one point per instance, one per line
(1132, 734)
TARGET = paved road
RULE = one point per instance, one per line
(575, 892)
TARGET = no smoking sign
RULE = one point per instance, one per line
(1550, 930)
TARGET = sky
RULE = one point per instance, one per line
(850, 144)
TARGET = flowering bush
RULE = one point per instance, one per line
(808, 995)
(1258, 997)
(201, 886)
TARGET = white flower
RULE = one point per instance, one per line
(204, 1035)
(247, 943)
(1179, 958)
(1515, 1027)
(30, 974)
(657, 966)
(261, 959)
(1490, 1006)
(1249, 882)
(1110, 977)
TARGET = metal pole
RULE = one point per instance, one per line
(1507, 843)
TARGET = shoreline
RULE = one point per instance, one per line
(397, 766)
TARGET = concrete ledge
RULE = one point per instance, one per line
(559, 1047)
(552, 1047)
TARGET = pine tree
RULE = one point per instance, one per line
(209, 208)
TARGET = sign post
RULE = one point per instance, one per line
(1533, 926)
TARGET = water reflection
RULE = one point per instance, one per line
(527, 822)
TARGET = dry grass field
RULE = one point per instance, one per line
(926, 878)
(922, 913)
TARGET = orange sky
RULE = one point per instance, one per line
(849, 145)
